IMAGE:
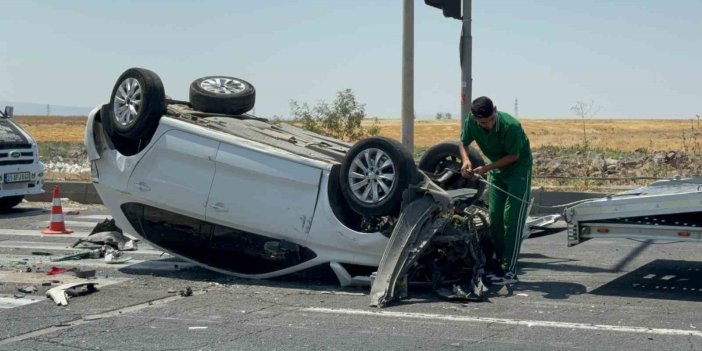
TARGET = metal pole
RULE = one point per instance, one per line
(407, 131)
(467, 62)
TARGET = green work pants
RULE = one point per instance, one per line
(508, 215)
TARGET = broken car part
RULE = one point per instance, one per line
(60, 296)
(434, 244)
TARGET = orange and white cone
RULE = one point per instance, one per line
(56, 225)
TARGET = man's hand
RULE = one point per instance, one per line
(466, 170)
(481, 170)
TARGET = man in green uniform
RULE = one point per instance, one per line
(503, 141)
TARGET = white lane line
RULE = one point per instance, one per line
(70, 224)
(64, 247)
(506, 321)
(64, 278)
(99, 217)
(9, 301)
(37, 233)
(131, 264)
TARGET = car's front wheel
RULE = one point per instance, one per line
(374, 174)
(447, 156)
(138, 102)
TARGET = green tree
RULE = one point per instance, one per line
(341, 119)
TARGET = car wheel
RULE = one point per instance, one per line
(225, 95)
(138, 102)
(446, 155)
(374, 174)
(9, 202)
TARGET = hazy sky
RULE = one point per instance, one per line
(637, 58)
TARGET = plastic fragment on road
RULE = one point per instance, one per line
(88, 273)
(114, 239)
(29, 289)
(56, 270)
(115, 257)
(188, 291)
(96, 253)
(60, 295)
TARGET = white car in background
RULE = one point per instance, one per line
(207, 182)
(21, 171)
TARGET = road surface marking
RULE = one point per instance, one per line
(70, 224)
(506, 321)
(98, 217)
(33, 245)
(37, 233)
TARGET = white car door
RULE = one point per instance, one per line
(176, 173)
(263, 194)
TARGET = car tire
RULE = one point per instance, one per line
(447, 155)
(374, 174)
(8, 202)
(220, 94)
(138, 101)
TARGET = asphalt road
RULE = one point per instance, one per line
(600, 295)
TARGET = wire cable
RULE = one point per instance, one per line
(481, 179)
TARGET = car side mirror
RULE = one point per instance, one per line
(9, 111)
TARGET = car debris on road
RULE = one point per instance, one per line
(94, 253)
(62, 293)
(29, 289)
(116, 257)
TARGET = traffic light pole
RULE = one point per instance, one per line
(407, 131)
(467, 62)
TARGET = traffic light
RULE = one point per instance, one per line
(451, 8)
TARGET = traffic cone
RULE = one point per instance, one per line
(56, 225)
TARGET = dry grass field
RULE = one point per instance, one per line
(61, 138)
(58, 129)
(623, 135)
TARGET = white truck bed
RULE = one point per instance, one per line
(664, 210)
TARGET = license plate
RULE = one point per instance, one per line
(16, 177)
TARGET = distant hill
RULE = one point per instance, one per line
(36, 109)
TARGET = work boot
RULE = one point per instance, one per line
(508, 278)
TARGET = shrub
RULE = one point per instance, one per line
(341, 120)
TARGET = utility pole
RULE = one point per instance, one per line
(407, 131)
(516, 108)
(48, 110)
(466, 62)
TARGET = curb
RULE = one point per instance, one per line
(82, 192)
(85, 193)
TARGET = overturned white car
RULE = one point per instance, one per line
(237, 194)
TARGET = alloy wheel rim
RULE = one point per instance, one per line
(372, 176)
(128, 102)
(222, 85)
